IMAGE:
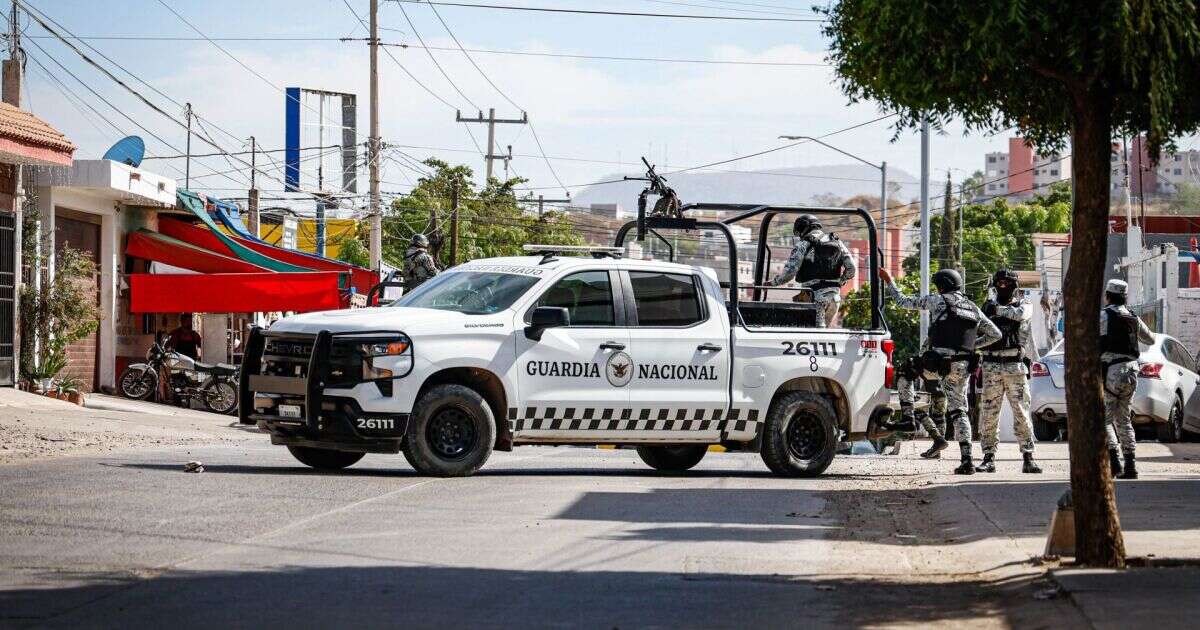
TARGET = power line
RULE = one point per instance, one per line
(185, 38)
(435, 61)
(689, 16)
(522, 53)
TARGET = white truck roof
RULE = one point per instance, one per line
(565, 261)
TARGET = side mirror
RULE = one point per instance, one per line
(546, 317)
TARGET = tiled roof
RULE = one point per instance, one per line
(21, 126)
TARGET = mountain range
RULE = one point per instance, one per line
(782, 186)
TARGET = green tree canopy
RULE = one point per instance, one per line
(1078, 69)
(491, 220)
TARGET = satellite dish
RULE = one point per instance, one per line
(129, 150)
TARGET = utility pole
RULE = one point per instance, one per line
(507, 159)
(12, 95)
(492, 121)
(1133, 241)
(252, 198)
(924, 223)
(319, 245)
(883, 200)
(454, 224)
(187, 169)
(542, 201)
(376, 241)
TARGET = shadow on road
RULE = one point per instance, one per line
(426, 596)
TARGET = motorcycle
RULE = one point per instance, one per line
(213, 385)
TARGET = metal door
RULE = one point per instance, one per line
(8, 296)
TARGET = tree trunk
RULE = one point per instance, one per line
(1098, 540)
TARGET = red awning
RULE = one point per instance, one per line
(174, 252)
(361, 279)
(233, 292)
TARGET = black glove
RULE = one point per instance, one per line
(1028, 367)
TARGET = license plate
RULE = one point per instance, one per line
(289, 411)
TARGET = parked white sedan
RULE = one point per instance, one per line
(1167, 393)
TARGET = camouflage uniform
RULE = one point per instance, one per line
(935, 418)
(1120, 382)
(954, 384)
(418, 267)
(1007, 379)
(828, 297)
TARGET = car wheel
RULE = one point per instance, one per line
(801, 435)
(452, 432)
(1171, 431)
(1045, 431)
(672, 458)
(323, 458)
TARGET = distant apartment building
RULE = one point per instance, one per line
(1163, 179)
(1021, 172)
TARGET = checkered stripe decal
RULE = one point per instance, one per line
(646, 419)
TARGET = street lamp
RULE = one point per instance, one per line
(881, 167)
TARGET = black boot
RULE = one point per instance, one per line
(1130, 467)
(967, 467)
(1114, 462)
(1030, 466)
(939, 445)
(988, 464)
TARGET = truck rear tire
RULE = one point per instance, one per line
(323, 458)
(801, 435)
(672, 458)
(452, 432)
(1044, 430)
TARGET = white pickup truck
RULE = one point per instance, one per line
(569, 350)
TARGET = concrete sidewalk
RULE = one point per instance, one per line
(34, 426)
(993, 520)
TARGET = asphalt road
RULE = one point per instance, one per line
(541, 537)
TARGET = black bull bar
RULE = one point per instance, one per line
(311, 387)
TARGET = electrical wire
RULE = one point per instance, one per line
(690, 16)
(523, 53)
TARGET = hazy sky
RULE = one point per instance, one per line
(680, 114)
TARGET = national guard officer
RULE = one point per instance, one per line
(934, 422)
(1120, 332)
(822, 264)
(1006, 373)
(418, 264)
(957, 328)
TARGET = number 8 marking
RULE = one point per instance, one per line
(812, 363)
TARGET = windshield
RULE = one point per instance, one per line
(469, 292)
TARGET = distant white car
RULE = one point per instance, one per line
(1167, 393)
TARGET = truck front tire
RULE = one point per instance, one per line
(672, 458)
(801, 435)
(323, 458)
(451, 433)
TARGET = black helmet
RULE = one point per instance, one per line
(1004, 275)
(805, 223)
(420, 240)
(947, 281)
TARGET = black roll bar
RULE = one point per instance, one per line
(650, 223)
(748, 211)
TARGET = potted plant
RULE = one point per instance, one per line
(70, 388)
(56, 312)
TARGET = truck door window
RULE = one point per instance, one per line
(586, 295)
(665, 299)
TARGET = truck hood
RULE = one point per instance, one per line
(412, 321)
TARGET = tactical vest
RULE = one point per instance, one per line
(1009, 329)
(956, 327)
(824, 263)
(1121, 334)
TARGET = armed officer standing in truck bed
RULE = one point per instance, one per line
(821, 263)
(957, 328)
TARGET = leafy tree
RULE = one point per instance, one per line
(351, 250)
(1186, 200)
(948, 243)
(56, 314)
(1077, 69)
(972, 187)
(491, 221)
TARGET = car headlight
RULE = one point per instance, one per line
(392, 354)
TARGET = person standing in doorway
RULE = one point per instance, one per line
(184, 339)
